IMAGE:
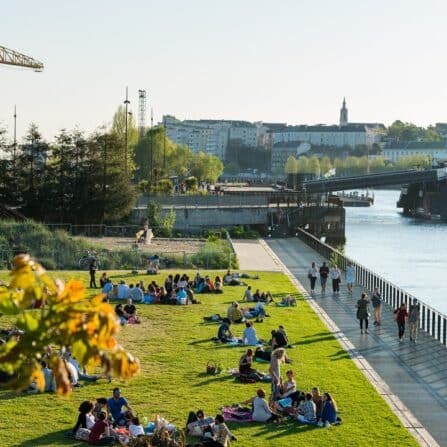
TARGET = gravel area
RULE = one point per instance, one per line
(157, 245)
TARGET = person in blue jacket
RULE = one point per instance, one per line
(329, 411)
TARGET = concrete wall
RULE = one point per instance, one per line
(209, 200)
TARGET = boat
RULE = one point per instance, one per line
(352, 199)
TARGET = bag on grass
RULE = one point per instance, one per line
(211, 367)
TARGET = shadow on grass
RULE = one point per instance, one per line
(273, 431)
(213, 379)
(340, 355)
(309, 341)
(199, 342)
(54, 439)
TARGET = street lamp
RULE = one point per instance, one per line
(126, 104)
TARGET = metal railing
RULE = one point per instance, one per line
(431, 321)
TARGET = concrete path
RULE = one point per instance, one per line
(417, 374)
(253, 256)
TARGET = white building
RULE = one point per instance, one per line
(214, 136)
(436, 150)
(344, 134)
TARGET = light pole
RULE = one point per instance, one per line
(126, 104)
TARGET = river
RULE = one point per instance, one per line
(410, 253)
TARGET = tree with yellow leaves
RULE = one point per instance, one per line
(68, 321)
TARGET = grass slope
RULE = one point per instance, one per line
(174, 346)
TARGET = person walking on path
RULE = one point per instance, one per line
(376, 301)
(336, 277)
(324, 273)
(312, 274)
(413, 320)
(362, 312)
(92, 268)
(401, 315)
(350, 277)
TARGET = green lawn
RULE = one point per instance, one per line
(174, 346)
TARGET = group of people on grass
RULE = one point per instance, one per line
(176, 289)
(107, 421)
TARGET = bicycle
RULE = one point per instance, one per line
(86, 260)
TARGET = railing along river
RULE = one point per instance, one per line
(431, 321)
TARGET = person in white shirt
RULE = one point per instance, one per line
(135, 428)
(248, 296)
(312, 274)
(261, 409)
(335, 276)
(249, 336)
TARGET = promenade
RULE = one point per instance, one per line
(416, 374)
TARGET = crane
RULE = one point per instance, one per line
(11, 57)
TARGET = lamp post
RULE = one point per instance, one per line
(126, 104)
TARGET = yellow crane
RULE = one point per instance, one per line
(11, 57)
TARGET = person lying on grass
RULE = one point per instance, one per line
(264, 297)
(261, 410)
(288, 301)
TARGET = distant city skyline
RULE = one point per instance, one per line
(255, 61)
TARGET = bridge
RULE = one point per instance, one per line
(375, 180)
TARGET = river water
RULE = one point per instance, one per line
(410, 253)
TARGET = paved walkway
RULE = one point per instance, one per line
(417, 374)
(253, 256)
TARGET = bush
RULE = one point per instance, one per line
(240, 232)
(215, 254)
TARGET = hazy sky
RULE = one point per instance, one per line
(285, 61)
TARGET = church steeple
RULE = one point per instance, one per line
(343, 114)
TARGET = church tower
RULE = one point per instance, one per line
(343, 114)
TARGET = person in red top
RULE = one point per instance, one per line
(100, 432)
(401, 316)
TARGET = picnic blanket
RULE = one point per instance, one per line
(237, 414)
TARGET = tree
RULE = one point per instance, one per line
(403, 131)
(291, 166)
(119, 130)
(325, 165)
(87, 327)
(303, 165)
(314, 166)
(232, 168)
(206, 167)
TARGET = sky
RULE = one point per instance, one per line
(285, 61)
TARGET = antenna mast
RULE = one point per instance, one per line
(141, 112)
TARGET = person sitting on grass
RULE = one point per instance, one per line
(115, 405)
(85, 422)
(318, 400)
(123, 290)
(135, 428)
(246, 366)
(306, 412)
(101, 433)
(329, 411)
(261, 410)
(248, 296)
(289, 389)
(182, 296)
(221, 434)
(131, 312)
(288, 301)
(224, 333)
(119, 310)
(279, 338)
(197, 422)
(136, 293)
(107, 287)
(100, 405)
(236, 314)
(103, 279)
(259, 312)
(218, 287)
(249, 337)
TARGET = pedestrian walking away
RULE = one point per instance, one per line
(413, 320)
(92, 268)
(350, 277)
(376, 301)
(363, 312)
(312, 274)
(336, 278)
(324, 273)
(401, 316)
